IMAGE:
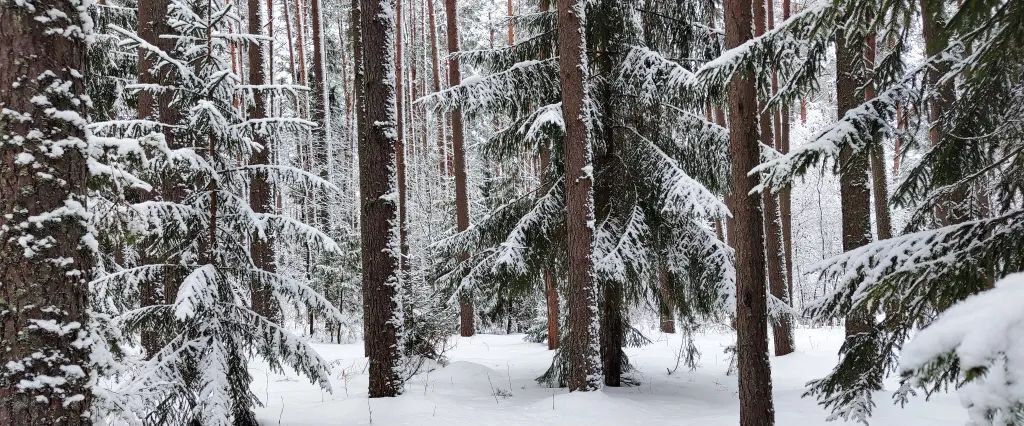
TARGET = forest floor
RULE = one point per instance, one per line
(490, 381)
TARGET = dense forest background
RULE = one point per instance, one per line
(193, 188)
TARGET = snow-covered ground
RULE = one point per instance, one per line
(490, 381)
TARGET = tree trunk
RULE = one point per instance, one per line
(551, 297)
(466, 311)
(579, 195)
(612, 334)
(379, 212)
(853, 176)
(300, 32)
(786, 193)
(666, 305)
(320, 109)
(550, 283)
(755, 388)
(435, 71)
(879, 179)
(359, 100)
(262, 248)
(45, 269)
(782, 329)
(400, 142)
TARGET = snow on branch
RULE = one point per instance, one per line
(978, 343)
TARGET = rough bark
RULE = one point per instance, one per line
(466, 310)
(855, 195)
(612, 334)
(359, 99)
(755, 387)
(782, 329)
(45, 262)
(262, 248)
(379, 210)
(579, 195)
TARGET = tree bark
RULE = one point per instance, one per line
(261, 248)
(379, 210)
(466, 311)
(782, 330)
(400, 142)
(579, 195)
(879, 179)
(45, 262)
(319, 110)
(435, 71)
(551, 297)
(666, 305)
(853, 176)
(755, 388)
(786, 193)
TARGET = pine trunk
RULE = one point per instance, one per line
(400, 142)
(782, 328)
(45, 269)
(435, 71)
(551, 298)
(786, 193)
(879, 179)
(755, 386)
(379, 210)
(319, 109)
(579, 195)
(854, 191)
(466, 311)
(666, 304)
(359, 100)
(262, 248)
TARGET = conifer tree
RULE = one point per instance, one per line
(579, 196)
(382, 305)
(756, 406)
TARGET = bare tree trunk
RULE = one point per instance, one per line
(782, 329)
(377, 163)
(853, 177)
(320, 110)
(400, 142)
(755, 388)
(666, 304)
(44, 270)
(466, 310)
(579, 195)
(879, 180)
(300, 32)
(262, 248)
(786, 193)
(291, 41)
(551, 297)
(359, 101)
(436, 74)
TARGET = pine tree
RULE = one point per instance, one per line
(756, 406)
(466, 309)
(579, 196)
(47, 249)
(381, 250)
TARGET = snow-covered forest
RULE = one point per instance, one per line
(511, 212)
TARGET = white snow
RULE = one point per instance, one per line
(490, 381)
